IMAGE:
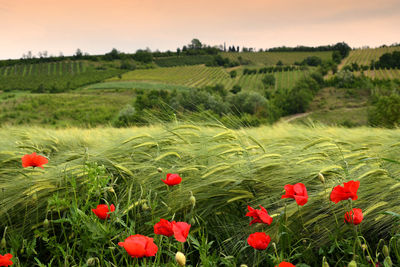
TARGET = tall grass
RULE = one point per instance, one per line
(224, 169)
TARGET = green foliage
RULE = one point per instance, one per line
(218, 60)
(268, 80)
(126, 117)
(233, 73)
(63, 110)
(385, 111)
(336, 57)
(343, 48)
(128, 65)
(143, 56)
(248, 102)
(312, 61)
(347, 79)
(389, 60)
(236, 89)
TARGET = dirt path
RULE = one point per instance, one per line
(294, 117)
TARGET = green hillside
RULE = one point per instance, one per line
(80, 109)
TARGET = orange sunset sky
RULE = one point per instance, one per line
(97, 26)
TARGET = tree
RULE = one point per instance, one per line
(343, 48)
(114, 54)
(236, 89)
(78, 53)
(386, 111)
(336, 57)
(268, 80)
(143, 56)
(195, 44)
(233, 73)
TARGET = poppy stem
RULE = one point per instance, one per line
(301, 218)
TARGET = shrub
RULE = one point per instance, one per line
(236, 89)
(385, 111)
(268, 80)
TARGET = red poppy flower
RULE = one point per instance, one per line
(163, 227)
(103, 212)
(259, 240)
(139, 246)
(181, 230)
(354, 216)
(172, 179)
(33, 160)
(6, 260)
(298, 192)
(349, 190)
(286, 264)
(259, 216)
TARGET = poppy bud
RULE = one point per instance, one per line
(324, 262)
(364, 247)
(385, 251)
(368, 258)
(180, 258)
(192, 221)
(46, 223)
(111, 190)
(145, 206)
(243, 265)
(388, 262)
(352, 264)
(192, 200)
(91, 262)
(3, 243)
(159, 170)
(321, 177)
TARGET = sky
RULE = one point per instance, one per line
(97, 26)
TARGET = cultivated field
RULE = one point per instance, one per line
(364, 56)
(199, 76)
(388, 74)
(271, 58)
(61, 76)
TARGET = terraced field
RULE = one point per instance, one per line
(199, 76)
(271, 58)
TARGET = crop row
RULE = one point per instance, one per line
(52, 68)
(387, 74)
